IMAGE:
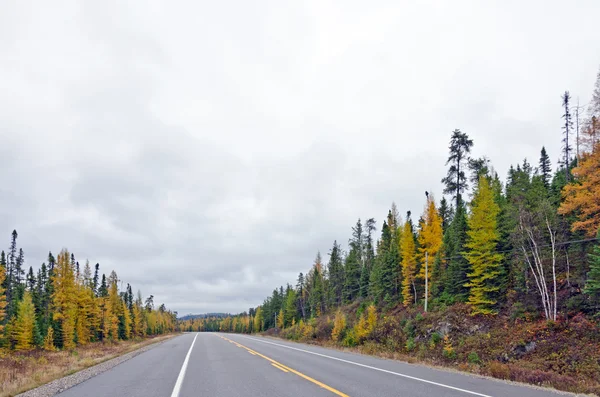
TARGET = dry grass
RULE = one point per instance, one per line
(20, 372)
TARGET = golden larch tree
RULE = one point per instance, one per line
(582, 196)
(409, 264)
(49, 340)
(64, 298)
(481, 253)
(24, 329)
(430, 238)
(126, 321)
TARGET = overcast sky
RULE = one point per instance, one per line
(205, 150)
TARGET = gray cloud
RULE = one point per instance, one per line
(207, 151)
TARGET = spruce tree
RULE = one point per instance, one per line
(545, 167)
(456, 264)
(455, 181)
(336, 275)
(592, 285)
(351, 276)
(2, 292)
(567, 127)
(369, 257)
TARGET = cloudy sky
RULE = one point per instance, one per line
(206, 150)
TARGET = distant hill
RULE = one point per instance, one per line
(194, 316)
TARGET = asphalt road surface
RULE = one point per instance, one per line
(226, 365)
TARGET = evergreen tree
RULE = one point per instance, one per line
(352, 276)
(455, 181)
(96, 278)
(481, 250)
(103, 290)
(336, 275)
(592, 285)
(30, 280)
(289, 313)
(545, 168)
(567, 127)
(369, 257)
(456, 264)
(445, 212)
(2, 292)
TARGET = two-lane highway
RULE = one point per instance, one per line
(226, 365)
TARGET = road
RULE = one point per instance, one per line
(226, 365)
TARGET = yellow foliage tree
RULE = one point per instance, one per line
(64, 298)
(339, 326)
(371, 318)
(115, 307)
(138, 329)
(280, 319)
(49, 340)
(482, 240)
(24, 330)
(126, 321)
(409, 264)
(581, 196)
(258, 319)
(430, 238)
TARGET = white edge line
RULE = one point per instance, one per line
(177, 387)
(368, 366)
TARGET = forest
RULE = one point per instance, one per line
(515, 264)
(64, 305)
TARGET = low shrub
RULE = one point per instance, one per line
(473, 358)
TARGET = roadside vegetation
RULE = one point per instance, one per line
(500, 278)
(63, 318)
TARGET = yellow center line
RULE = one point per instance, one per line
(300, 374)
(254, 354)
(278, 367)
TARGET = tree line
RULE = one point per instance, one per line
(64, 305)
(529, 244)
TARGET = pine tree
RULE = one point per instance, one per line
(409, 264)
(456, 181)
(545, 167)
(481, 250)
(289, 314)
(25, 328)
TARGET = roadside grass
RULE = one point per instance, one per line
(23, 371)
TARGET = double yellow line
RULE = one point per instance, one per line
(285, 368)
